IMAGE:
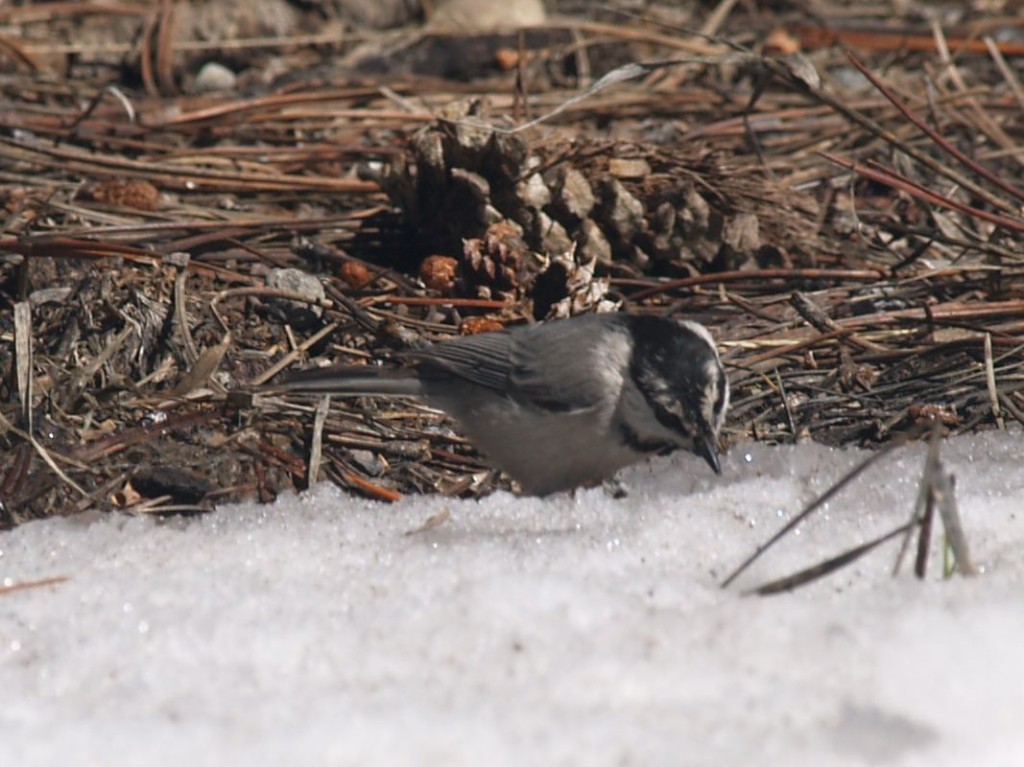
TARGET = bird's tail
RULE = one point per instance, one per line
(351, 381)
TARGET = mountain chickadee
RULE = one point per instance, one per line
(562, 403)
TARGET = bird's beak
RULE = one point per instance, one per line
(706, 449)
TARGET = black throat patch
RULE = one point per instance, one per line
(651, 446)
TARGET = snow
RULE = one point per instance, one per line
(328, 630)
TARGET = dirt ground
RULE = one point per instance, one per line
(199, 196)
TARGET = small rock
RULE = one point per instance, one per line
(213, 77)
(297, 313)
(371, 463)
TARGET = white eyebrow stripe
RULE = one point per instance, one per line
(701, 332)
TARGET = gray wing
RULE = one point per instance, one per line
(559, 365)
(484, 359)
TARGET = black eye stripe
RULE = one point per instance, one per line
(723, 390)
(669, 418)
(653, 390)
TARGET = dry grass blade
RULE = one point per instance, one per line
(820, 570)
(25, 585)
(813, 506)
(924, 536)
(202, 371)
(186, 177)
(23, 359)
(990, 382)
(936, 491)
(47, 456)
(934, 135)
(432, 522)
(945, 498)
(294, 354)
(372, 489)
(17, 52)
(889, 136)
(316, 447)
(625, 73)
(895, 180)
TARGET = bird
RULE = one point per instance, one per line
(560, 404)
